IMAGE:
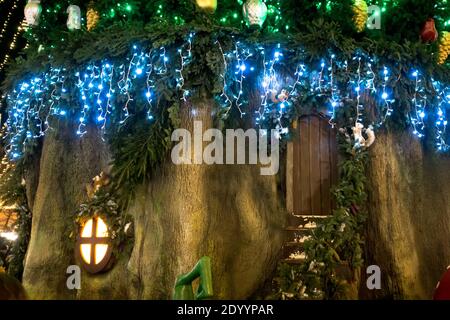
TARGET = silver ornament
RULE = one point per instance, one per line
(255, 12)
(74, 19)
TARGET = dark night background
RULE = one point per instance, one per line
(16, 18)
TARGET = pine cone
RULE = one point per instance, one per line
(360, 15)
(444, 47)
(92, 17)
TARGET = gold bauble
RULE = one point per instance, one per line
(360, 15)
(92, 17)
(207, 5)
(444, 47)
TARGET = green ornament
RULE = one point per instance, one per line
(183, 285)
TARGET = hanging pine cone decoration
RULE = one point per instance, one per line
(92, 17)
(444, 47)
(429, 32)
(360, 15)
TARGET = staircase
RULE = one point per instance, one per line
(299, 230)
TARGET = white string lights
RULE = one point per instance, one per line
(100, 89)
(241, 55)
(358, 88)
(226, 101)
(443, 96)
(419, 103)
(334, 99)
(185, 58)
(386, 108)
(109, 91)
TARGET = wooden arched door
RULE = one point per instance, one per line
(312, 167)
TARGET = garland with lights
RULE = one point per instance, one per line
(116, 83)
(134, 71)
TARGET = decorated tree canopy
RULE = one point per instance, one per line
(147, 57)
(130, 72)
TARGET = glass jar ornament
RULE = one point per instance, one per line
(74, 19)
(33, 11)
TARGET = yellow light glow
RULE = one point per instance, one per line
(100, 249)
(210, 5)
(102, 229)
(100, 252)
(86, 253)
(87, 230)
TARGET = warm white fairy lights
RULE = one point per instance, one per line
(99, 90)
(13, 43)
(8, 18)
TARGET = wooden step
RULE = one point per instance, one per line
(293, 261)
(298, 229)
(306, 216)
(290, 248)
(294, 232)
(294, 244)
(301, 219)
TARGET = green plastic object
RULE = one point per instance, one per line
(183, 285)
